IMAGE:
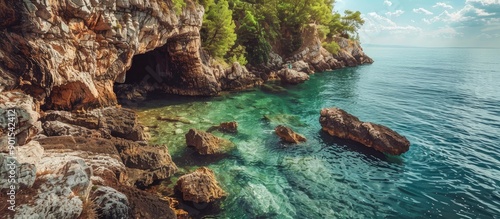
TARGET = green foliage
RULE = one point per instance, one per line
(252, 36)
(237, 54)
(178, 5)
(332, 47)
(244, 30)
(217, 32)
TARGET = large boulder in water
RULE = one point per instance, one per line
(339, 123)
(200, 186)
(206, 143)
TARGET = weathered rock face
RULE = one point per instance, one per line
(200, 186)
(145, 164)
(341, 124)
(22, 113)
(69, 54)
(318, 58)
(292, 76)
(106, 122)
(288, 135)
(206, 143)
(110, 203)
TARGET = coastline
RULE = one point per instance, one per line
(69, 124)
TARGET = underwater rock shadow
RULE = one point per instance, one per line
(370, 153)
(189, 157)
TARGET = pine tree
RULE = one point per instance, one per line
(217, 33)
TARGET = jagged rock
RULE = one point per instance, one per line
(230, 127)
(61, 193)
(200, 186)
(313, 53)
(123, 123)
(106, 122)
(110, 203)
(56, 128)
(100, 154)
(341, 124)
(302, 66)
(30, 153)
(291, 76)
(24, 173)
(146, 205)
(145, 164)
(288, 135)
(206, 143)
(20, 107)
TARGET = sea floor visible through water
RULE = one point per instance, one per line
(445, 101)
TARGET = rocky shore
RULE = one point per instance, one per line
(78, 153)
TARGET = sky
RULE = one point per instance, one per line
(452, 23)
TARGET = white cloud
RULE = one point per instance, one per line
(484, 2)
(467, 13)
(422, 11)
(444, 32)
(442, 4)
(387, 2)
(376, 23)
(397, 13)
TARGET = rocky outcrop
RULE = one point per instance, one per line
(200, 186)
(341, 124)
(316, 57)
(206, 143)
(110, 203)
(69, 54)
(288, 135)
(291, 76)
(19, 112)
(106, 122)
(145, 164)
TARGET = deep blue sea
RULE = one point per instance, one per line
(446, 101)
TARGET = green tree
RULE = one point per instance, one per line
(351, 22)
(217, 32)
(252, 36)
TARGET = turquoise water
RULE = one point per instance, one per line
(445, 101)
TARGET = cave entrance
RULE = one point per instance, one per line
(149, 68)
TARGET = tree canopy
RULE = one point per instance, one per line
(248, 30)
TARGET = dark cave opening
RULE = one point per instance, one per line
(149, 68)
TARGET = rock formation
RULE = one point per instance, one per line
(291, 76)
(69, 54)
(200, 186)
(206, 143)
(341, 124)
(288, 135)
(229, 127)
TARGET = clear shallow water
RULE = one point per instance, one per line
(445, 101)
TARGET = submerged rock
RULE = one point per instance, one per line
(229, 127)
(206, 143)
(288, 135)
(200, 186)
(339, 123)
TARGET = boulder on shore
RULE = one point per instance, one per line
(291, 76)
(341, 124)
(206, 143)
(200, 186)
(288, 135)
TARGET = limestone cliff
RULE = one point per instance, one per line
(68, 54)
